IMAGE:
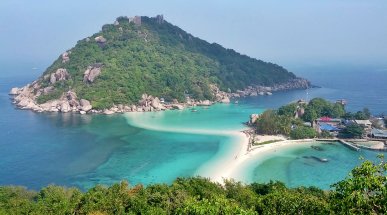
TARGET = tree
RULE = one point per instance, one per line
(360, 115)
(288, 110)
(352, 131)
(366, 112)
(303, 132)
(267, 124)
(364, 191)
(338, 110)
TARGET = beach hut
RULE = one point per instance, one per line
(379, 133)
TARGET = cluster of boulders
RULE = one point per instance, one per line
(60, 75)
(296, 83)
(92, 72)
(25, 98)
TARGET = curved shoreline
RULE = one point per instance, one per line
(224, 167)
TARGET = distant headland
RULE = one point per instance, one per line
(140, 64)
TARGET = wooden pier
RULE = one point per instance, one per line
(349, 145)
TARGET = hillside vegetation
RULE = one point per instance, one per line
(363, 192)
(157, 58)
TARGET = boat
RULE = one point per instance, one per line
(323, 160)
(318, 148)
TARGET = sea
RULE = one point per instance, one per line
(73, 150)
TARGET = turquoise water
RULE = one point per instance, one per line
(296, 166)
(76, 150)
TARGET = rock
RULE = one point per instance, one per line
(225, 100)
(254, 94)
(54, 109)
(133, 108)
(116, 23)
(139, 109)
(91, 73)
(14, 91)
(65, 107)
(177, 106)
(254, 117)
(48, 90)
(85, 105)
(72, 98)
(127, 109)
(65, 57)
(204, 103)
(82, 112)
(108, 112)
(147, 109)
(100, 39)
(269, 93)
(60, 75)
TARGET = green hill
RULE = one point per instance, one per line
(149, 55)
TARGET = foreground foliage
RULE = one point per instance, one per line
(363, 192)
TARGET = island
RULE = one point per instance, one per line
(141, 64)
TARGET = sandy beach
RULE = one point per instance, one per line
(228, 170)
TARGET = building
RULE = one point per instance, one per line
(378, 133)
(364, 123)
(328, 120)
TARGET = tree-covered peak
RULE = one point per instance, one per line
(149, 55)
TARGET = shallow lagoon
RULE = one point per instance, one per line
(78, 150)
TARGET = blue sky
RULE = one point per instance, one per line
(290, 33)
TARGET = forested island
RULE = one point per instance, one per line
(145, 64)
(364, 191)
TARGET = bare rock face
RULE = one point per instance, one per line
(65, 57)
(65, 107)
(147, 109)
(177, 106)
(156, 103)
(100, 39)
(48, 89)
(60, 75)
(108, 112)
(14, 91)
(225, 100)
(72, 98)
(85, 105)
(205, 103)
(91, 73)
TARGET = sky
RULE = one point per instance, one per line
(294, 34)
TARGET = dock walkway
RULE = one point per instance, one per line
(349, 145)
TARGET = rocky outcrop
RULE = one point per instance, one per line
(65, 57)
(204, 103)
(25, 97)
(65, 107)
(59, 75)
(100, 39)
(296, 83)
(85, 105)
(92, 72)
(14, 91)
